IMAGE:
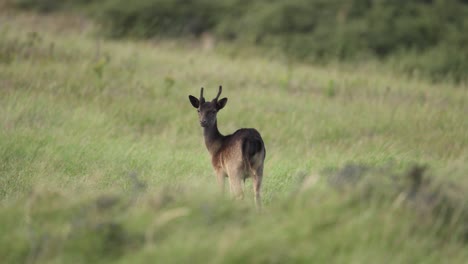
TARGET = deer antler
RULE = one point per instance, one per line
(219, 93)
(202, 100)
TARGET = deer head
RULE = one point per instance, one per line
(207, 110)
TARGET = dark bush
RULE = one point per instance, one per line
(170, 18)
(50, 5)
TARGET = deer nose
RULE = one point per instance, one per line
(203, 123)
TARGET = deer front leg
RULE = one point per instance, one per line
(220, 176)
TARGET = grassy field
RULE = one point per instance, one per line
(102, 158)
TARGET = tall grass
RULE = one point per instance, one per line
(102, 157)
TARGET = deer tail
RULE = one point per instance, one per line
(252, 149)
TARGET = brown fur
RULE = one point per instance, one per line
(237, 156)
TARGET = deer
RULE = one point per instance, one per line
(237, 156)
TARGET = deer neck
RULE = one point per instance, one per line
(213, 139)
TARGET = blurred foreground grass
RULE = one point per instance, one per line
(102, 158)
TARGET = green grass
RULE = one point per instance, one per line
(102, 158)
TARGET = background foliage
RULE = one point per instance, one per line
(419, 37)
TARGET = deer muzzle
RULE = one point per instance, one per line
(204, 123)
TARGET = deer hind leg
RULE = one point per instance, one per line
(257, 184)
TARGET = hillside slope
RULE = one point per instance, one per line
(102, 158)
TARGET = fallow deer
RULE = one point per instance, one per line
(236, 156)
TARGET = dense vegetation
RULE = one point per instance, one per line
(417, 37)
(102, 158)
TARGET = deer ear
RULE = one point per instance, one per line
(194, 101)
(221, 103)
